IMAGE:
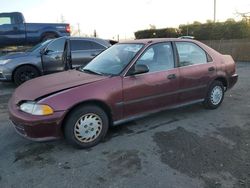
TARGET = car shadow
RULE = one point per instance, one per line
(153, 121)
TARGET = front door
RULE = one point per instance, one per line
(196, 71)
(153, 90)
(52, 57)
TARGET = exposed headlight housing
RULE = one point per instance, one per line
(4, 61)
(33, 108)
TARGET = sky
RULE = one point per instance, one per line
(111, 18)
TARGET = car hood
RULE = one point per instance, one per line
(15, 55)
(49, 84)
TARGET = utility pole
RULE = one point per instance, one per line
(79, 31)
(214, 10)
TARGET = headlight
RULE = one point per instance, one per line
(36, 109)
(4, 61)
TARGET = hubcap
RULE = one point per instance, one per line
(216, 95)
(27, 75)
(88, 127)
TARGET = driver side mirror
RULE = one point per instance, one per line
(44, 51)
(138, 69)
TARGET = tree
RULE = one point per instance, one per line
(244, 15)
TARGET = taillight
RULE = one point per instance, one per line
(68, 28)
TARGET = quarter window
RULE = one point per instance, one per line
(190, 54)
(158, 57)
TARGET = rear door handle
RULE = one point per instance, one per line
(171, 76)
(211, 69)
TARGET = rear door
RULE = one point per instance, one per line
(196, 71)
(83, 51)
(52, 58)
(155, 89)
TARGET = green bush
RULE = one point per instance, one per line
(207, 31)
(157, 33)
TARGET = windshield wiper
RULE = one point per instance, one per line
(92, 72)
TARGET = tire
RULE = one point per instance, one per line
(24, 73)
(214, 96)
(48, 36)
(86, 126)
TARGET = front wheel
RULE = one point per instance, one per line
(48, 36)
(24, 73)
(214, 96)
(86, 126)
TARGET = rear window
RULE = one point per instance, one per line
(5, 20)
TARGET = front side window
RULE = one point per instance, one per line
(56, 46)
(190, 54)
(158, 57)
(113, 60)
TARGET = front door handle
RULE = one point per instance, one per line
(171, 76)
(211, 69)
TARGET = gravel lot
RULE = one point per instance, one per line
(187, 147)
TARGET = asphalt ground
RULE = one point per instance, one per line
(187, 147)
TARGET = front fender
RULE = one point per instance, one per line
(106, 91)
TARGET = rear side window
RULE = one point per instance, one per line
(85, 45)
(190, 54)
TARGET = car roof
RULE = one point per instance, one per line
(155, 40)
(98, 40)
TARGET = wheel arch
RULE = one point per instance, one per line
(31, 65)
(45, 33)
(98, 103)
(223, 80)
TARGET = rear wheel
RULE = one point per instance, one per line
(25, 73)
(86, 126)
(48, 36)
(215, 95)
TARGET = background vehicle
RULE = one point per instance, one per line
(46, 58)
(14, 30)
(126, 81)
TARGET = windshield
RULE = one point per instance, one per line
(38, 46)
(113, 60)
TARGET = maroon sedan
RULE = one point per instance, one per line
(127, 81)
